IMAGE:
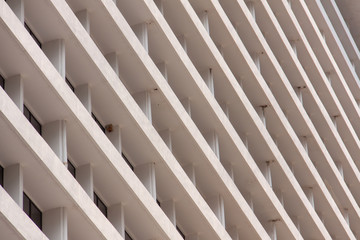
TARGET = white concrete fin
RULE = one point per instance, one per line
(213, 141)
(14, 183)
(190, 171)
(163, 69)
(146, 174)
(216, 203)
(114, 135)
(208, 77)
(187, 105)
(166, 136)
(84, 175)
(141, 31)
(116, 217)
(14, 87)
(83, 92)
(55, 224)
(54, 133)
(143, 99)
(55, 51)
(17, 6)
(169, 209)
(112, 59)
(84, 18)
(204, 18)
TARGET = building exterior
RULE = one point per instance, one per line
(179, 119)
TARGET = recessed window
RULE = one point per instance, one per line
(98, 122)
(127, 236)
(181, 233)
(2, 82)
(71, 168)
(32, 211)
(158, 202)
(32, 34)
(127, 161)
(100, 204)
(1, 176)
(69, 84)
(32, 119)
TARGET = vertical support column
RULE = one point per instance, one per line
(182, 40)
(160, 5)
(84, 19)
(112, 59)
(141, 32)
(146, 174)
(55, 51)
(266, 170)
(84, 175)
(208, 77)
(310, 195)
(54, 134)
(261, 112)
(83, 92)
(186, 104)
(256, 59)
(163, 69)
(271, 229)
(340, 168)
(114, 135)
(234, 233)
(190, 171)
(217, 205)
(55, 224)
(166, 136)
(116, 217)
(304, 142)
(225, 108)
(204, 18)
(14, 87)
(213, 141)
(251, 8)
(169, 209)
(143, 99)
(13, 183)
(17, 6)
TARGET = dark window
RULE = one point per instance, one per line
(32, 119)
(127, 161)
(71, 168)
(127, 236)
(32, 211)
(98, 122)
(1, 176)
(2, 82)
(158, 202)
(100, 204)
(32, 34)
(181, 233)
(69, 84)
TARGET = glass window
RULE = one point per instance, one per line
(2, 82)
(127, 161)
(1, 176)
(32, 35)
(98, 122)
(32, 119)
(127, 236)
(71, 168)
(32, 211)
(69, 84)
(100, 204)
(181, 233)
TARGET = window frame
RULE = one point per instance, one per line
(101, 126)
(1, 176)
(98, 200)
(32, 34)
(2, 82)
(127, 161)
(70, 165)
(31, 206)
(30, 117)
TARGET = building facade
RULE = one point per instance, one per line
(179, 119)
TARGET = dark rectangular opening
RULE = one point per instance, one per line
(127, 236)
(32, 210)
(71, 168)
(32, 34)
(2, 82)
(69, 84)
(181, 233)
(98, 122)
(32, 119)
(1, 176)
(100, 204)
(127, 161)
